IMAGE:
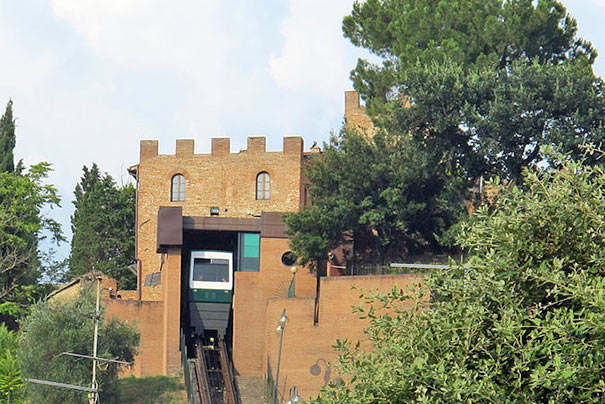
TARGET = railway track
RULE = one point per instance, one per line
(214, 376)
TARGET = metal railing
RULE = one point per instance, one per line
(369, 268)
(189, 373)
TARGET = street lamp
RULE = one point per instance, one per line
(281, 325)
(292, 288)
(315, 370)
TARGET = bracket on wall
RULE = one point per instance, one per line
(153, 279)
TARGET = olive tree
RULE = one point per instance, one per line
(54, 327)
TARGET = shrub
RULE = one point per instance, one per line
(11, 383)
(56, 327)
(522, 321)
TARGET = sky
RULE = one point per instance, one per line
(90, 78)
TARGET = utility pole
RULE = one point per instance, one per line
(94, 396)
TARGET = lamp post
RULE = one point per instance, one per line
(281, 325)
(292, 288)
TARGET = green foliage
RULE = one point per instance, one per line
(388, 194)
(471, 33)
(54, 327)
(522, 321)
(103, 228)
(7, 139)
(488, 123)
(152, 390)
(24, 200)
(8, 339)
(490, 83)
(467, 89)
(11, 383)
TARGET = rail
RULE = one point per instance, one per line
(227, 371)
(212, 381)
(201, 369)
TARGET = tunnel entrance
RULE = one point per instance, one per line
(209, 262)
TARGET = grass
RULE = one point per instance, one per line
(152, 390)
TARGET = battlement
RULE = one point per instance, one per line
(221, 146)
(356, 117)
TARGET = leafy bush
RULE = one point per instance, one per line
(384, 197)
(56, 327)
(11, 383)
(522, 321)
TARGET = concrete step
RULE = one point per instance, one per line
(251, 389)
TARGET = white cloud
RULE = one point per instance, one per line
(145, 31)
(314, 55)
(183, 36)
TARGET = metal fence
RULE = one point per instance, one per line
(189, 373)
(371, 268)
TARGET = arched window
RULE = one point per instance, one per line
(263, 185)
(178, 188)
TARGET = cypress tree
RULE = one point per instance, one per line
(7, 139)
(103, 227)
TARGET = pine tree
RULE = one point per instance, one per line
(7, 139)
(488, 84)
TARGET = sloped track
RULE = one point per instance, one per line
(213, 382)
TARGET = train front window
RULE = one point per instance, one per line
(211, 270)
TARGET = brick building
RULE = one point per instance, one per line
(233, 202)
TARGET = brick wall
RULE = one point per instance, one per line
(252, 290)
(146, 316)
(305, 345)
(158, 322)
(222, 179)
(227, 180)
(355, 114)
(171, 287)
